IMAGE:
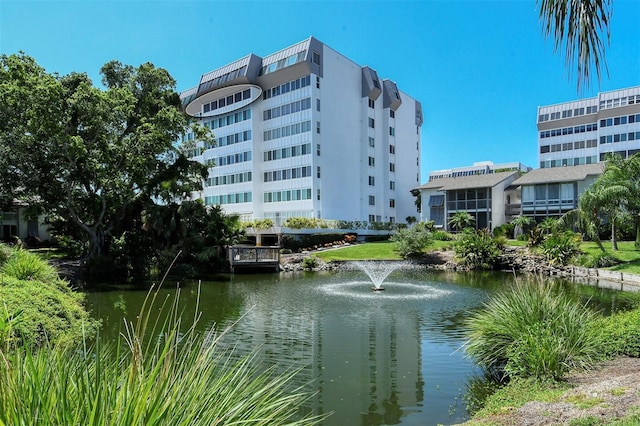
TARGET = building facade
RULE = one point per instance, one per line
(306, 132)
(585, 131)
(550, 193)
(485, 197)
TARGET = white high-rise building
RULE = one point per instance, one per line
(585, 131)
(307, 132)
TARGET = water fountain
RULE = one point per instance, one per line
(378, 271)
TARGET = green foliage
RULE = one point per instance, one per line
(598, 260)
(505, 230)
(157, 375)
(89, 155)
(442, 236)
(477, 249)
(412, 242)
(24, 265)
(461, 220)
(532, 331)
(50, 312)
(259, 224)
(620, 333)
(310, 263)
(561, 248)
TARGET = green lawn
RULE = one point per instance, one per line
(382, 250)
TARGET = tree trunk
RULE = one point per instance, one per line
(614, 240)
(637, 225)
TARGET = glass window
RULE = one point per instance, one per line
(316, 58)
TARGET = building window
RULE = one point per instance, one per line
(372, 181)
(317, 82)
(392, 167)
(372, 200)
(392, 149)
(317, 104)
(372, 123)
(316, 58)
(318, 195)
(318, 150)
(392, 185)
(372, 218)
(372, 103)
(372, 161)
(392, 203)
(318, 172)
(372, 142)
(392, 113)
(392, 131)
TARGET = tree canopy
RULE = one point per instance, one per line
(89, 154)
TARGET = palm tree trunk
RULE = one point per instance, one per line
(614, 240)
(637, 225)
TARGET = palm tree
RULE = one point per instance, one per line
(579, 27)
(461, 220)
(520, 224)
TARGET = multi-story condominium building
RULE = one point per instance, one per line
(585, 131)
(479, 168)
(307, 132)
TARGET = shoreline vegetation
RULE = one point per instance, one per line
(617, 338)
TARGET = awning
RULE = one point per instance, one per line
(436, 201)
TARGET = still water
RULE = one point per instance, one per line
(385, 357)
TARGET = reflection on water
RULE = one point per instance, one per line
(374, 358)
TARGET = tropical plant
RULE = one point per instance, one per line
(578, 27)
(521, 224)
(310, 263)
(461, 220)
(561, 247)
(477, 249)
(160, 374)
(532, 330)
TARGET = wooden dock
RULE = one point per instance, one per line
(254, 257)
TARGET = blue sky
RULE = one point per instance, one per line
(480, 68)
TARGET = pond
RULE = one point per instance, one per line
(373, 357)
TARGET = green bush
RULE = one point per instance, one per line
(621, 334)
(412, 242)
(442, 236)
(310, 263)
(560, 247)
(477, 249)
(532, 331)
(598, 260)
(25, 265)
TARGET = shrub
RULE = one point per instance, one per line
(560, 247)
(442, 236)
(412, 242)
(504, 230)
(532, 331)
(25, 265)
(621, 334)
(598, 260)
(310, 263)
(477, 249)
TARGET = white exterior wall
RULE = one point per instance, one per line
(561, 150)
(343, 142)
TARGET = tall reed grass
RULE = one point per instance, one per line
(154, 375)
(533, 331)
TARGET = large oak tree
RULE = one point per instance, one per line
(87, 154)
